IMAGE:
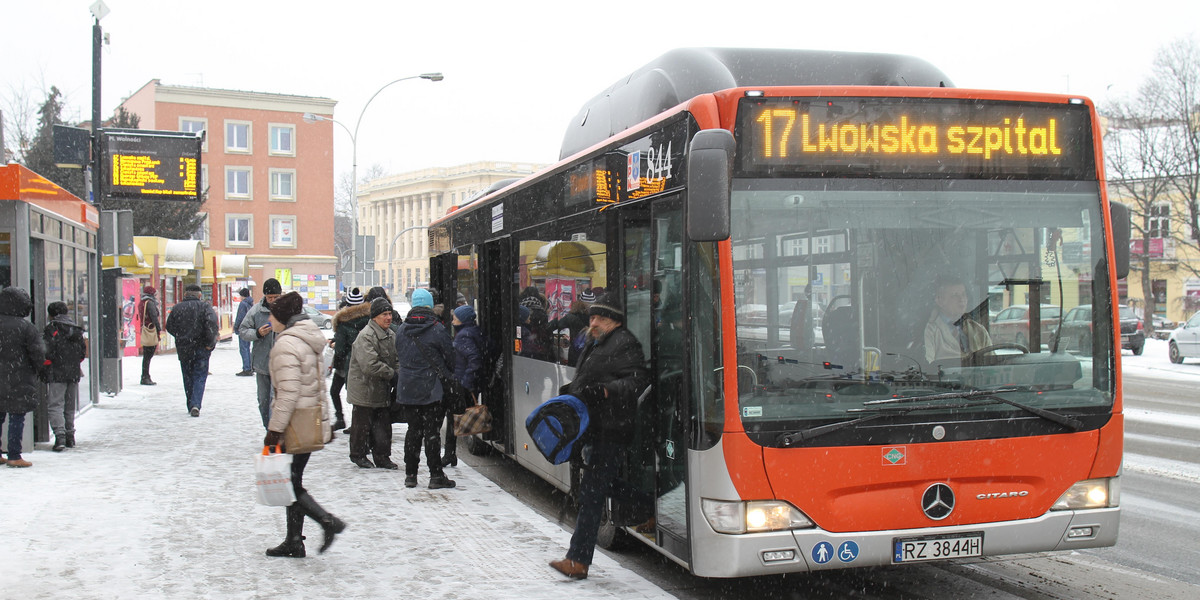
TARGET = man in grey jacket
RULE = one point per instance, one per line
(256, 329)
(369, 388)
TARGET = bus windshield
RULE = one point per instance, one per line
(851, 291)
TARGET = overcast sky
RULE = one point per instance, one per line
(517, 72)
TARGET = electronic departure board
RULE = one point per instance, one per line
(914, 137)
(161, 165)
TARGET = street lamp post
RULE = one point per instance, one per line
(312, 117)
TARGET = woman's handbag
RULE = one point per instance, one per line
(149, 336)
(474, 420)
(273, 478)
(303, 433)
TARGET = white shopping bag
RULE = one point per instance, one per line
(273, 478)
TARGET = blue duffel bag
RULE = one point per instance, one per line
(556, 426)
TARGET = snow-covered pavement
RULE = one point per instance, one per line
(153, 503)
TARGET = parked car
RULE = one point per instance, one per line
(1077, 330)
(1011, 325)
(321, 319)
(1184, 342)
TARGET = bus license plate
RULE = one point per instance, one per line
(938, 547)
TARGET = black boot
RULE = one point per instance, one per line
(339, 424)
(331, 524)
(293, 546)
(70, 440)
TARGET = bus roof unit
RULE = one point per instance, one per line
(685, 73)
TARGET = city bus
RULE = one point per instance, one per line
(775, 222)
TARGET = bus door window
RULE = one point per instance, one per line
(576, 267)
(492, 307)
(669, 413)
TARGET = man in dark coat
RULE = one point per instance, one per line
(469, 356)
(65, 350)
(194, 324)
(244, 345)
(425, 353)
(610, 376)
(21, 359)
(150, 317)
(346, 324)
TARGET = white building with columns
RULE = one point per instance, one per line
(396, 209)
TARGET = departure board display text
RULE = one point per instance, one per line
(152, 165)
(911, 137)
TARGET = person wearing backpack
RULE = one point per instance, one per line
(65, 350)
(610, 376)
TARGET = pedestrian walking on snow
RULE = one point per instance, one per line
(295, 367)
(151, 318)
(194, 324)
(424, 350)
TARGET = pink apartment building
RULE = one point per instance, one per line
(269, 176)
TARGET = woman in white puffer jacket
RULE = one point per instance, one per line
(296, 376)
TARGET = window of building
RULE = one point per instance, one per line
(239, 230)
(283, 139)
(283, 185)
(237, 136)
(195, 125)
(283, 231)
(1160, 221)
(237, 183)
(203, 178)
(201, 232)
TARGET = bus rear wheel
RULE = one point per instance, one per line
(476, 446)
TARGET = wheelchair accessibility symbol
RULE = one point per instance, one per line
(847, 552)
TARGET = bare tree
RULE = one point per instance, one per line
(1174, 84)
(19, 106)
(343, 210)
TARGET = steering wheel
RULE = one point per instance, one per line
(974, 356)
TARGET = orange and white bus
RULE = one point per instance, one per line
(778, 222)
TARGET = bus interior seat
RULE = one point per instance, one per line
(840, 330)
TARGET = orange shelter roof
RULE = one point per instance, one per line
(19, 183)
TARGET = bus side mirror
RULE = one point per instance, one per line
(709, 177)
(1119, 215)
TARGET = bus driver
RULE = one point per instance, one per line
(950, 333)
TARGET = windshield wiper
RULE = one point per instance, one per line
(789, 439)
(891, 407)
(1069, 422)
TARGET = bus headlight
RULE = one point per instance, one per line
(1091, 493)
(753, 516)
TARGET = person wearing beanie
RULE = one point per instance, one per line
(347, 322)
(244, 345)
(195, 326)
(610, 377)
(470, 352)
(575, 322)
(426, 357)
(369, 383)
(65, 350)
(22, 357)
(256, 329)
(150, 319)
(298, 383)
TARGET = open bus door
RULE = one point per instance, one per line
(494, 313)
(651, 275)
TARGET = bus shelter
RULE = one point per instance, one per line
(48, 247)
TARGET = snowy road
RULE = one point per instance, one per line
(156, 504)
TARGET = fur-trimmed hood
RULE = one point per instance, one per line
(351, 313)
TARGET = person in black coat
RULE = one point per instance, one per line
(22, 357)
(194, 324)
(152, 318)
(65, 350)
(610, 376)
(425, 354)
(469, 351)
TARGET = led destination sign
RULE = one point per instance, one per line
(915, 138)
(165, 167)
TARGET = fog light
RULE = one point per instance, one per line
(1080, 532)
(778, 556)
